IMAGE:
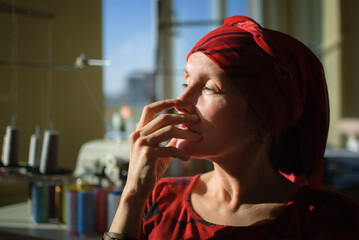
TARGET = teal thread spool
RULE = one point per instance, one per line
(40, 202)
(86, 212)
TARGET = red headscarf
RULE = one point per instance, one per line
(281, 79)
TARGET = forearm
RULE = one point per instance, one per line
(128, 216)
(149, 161)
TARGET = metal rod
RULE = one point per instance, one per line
(12, 9)
(41, 65)
(80, 63)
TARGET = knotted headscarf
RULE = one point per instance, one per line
(282, 80)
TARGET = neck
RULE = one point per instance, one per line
(248, 177)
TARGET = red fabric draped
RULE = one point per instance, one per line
(281, 79)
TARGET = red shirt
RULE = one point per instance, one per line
(313, 214)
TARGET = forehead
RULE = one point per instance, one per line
(200, 67)
(199, 62)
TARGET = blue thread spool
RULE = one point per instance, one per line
(71, 212)
(40, 203)
(112, 204)
(86, 212)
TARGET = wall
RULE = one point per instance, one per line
(318, 25)
(56, 32)
(331, 29)
(331, 58)
(350, 57)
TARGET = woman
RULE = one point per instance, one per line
(255, 104)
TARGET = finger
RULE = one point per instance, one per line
(170, 152)
(169, 132)
(172, 142)
(150, 110)
(168, 119)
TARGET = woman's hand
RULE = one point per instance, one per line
(149, 160)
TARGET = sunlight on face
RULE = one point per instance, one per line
(224, 123)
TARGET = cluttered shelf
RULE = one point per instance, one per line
(32, 175)
(58, 206)
(63, 204)
(16, 223)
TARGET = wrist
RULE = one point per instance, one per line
(130, 194)
(116, 236)
(129, 214)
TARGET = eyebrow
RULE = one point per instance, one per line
(202, 75)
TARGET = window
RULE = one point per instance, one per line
(130, 35)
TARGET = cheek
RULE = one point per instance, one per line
(211, 111)
(221, 120)
(218, 117)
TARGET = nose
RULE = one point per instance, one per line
(187, 102)
(185, 107)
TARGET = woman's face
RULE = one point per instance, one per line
(225, 123)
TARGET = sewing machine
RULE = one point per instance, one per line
(103, 158)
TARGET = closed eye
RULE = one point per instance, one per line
(185, 85)
(209, 89)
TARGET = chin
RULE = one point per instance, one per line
(193, 149)
(183, 144)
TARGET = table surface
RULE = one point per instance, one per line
(15, 223)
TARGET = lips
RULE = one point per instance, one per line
(187, 127)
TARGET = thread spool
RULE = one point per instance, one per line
(40, 202)
(58, 203)
(65, 189)
(4, 145)
(10, 153)
(52, 209)
(112, 204)
(35, 149)
(101, 209)
(49, 153)
(71, 212)
(29, 200)
(85, 212)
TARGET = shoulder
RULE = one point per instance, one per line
(328, 198)
(172, 185)
(171, 190)
(177, 182)
(332, 213)
(166, 206)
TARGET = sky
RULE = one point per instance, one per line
(129, 35)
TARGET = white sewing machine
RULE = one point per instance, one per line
(104, 156)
